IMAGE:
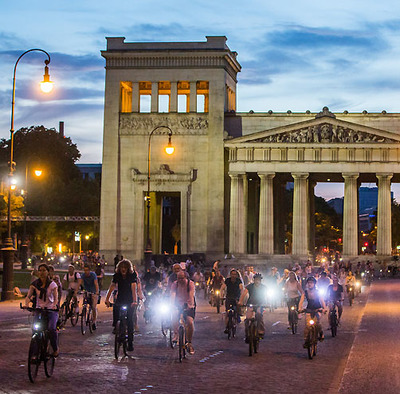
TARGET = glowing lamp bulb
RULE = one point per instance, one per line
(169, 149)
(46, 85)
(38, 172)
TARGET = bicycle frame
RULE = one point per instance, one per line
(253, 325)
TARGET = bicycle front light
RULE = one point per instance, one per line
(149, 293)
(124, 308)
(163, 308)
(36, 326)
(292, 308)
(217, 292)
(312, 322)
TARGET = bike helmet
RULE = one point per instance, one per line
(311, 279)
(257, 276)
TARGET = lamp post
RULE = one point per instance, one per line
(169, 149)
(8, 247)
(24, 245)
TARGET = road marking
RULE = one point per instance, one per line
(276, 323)
(203, 360)
(144, 389)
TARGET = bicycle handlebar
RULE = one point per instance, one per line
(30, 309)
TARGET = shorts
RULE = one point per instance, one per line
(191, 312)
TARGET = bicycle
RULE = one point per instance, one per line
(40, 348)
(182, 343)
(293, 317)
(313, 330)
(333, 319)
(232, 320)
(87, 313)
(350, 294)
(166, 323)
(253, 327)
(68, 309)
(121, 331)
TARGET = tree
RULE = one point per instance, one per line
(60, 191)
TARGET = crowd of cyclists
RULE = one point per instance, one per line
(310, 289)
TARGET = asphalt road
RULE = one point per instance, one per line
(87, 363)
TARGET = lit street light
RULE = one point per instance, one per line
(24, 192)
(8, 247)
(169, 149)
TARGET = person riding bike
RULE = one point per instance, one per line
(71, 282)
(335, 296)
(293, 290)
(314, 303)
(234, 288)
(257, 293)
(88, 281)
(350, 281)
(151, 280)
(182, 296)
(215, 285)
(46, 292)
(125, 279)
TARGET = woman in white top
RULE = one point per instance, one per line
(293, 291)
(46, 293)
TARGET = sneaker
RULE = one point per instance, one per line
(130, 347)
(190, 348)
(321, 337)
(226, 331)
(94, 327)
(56, 353)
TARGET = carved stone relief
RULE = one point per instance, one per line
(326, 133)
(180, 124)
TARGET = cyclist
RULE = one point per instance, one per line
(89, 282)
(350, 281)
(46, 293)
(215, 285)
(314, 302)
(71, 282)
(125, 279)
(293, 291)
(182, 296)
(257, 293)
(335, 296)
(56, 279)
(234, 288)
(151, 280)
(99, 271)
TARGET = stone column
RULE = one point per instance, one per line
(311, 216)
(184, 220)
(350, 215)
(173, 98)
(154, 97)
(384, 222)
(238, 213)
(193, 97)
(135, 97)
(300, 219)
(266, 220)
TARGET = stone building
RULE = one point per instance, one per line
(221, 192)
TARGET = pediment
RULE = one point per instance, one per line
(323, 130)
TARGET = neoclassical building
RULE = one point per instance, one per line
(221, 192)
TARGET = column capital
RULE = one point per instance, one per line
(387, 175)
(350, 175)
(263, 175)
(300, 175)
(236, 174)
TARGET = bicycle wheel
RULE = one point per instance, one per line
(89, 319)
(171, 343)
(124, 337)
(218, 304)
(251, 338)
(333, 324)
(230, 326)
(117, 343)
(62, 314)
(74, 314)
(83, 320)
(310, 349)
(164, 327)
(49, 360)
(181, 343)
(34, 357)
(256, 339)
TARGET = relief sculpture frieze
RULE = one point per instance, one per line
(179, 123)
(326, 133)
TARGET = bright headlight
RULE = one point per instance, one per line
(312, 322)
(124, 307)
(36, 326)
(163, 308)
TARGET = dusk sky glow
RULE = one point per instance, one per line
(297, 55)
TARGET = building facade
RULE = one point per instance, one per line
(221, 192)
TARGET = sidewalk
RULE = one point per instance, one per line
(373, 363)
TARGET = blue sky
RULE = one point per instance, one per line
(295, 55)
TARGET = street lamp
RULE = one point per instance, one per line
(8, 247)
(24, 246)
(169, 149)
